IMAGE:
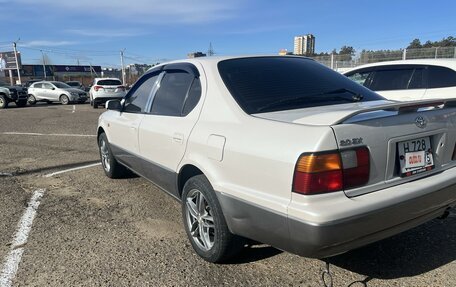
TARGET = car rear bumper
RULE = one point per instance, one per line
(369, 218)
(103, 100)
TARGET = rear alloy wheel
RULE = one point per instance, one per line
(3, 102)
(31, 100)
(111, 167)
(205, 224)
(21, 103)
(64, 100)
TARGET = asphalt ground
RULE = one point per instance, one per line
(93, 231)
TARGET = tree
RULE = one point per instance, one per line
(415, 44)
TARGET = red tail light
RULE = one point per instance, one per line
(96, 88)
(327, 172)
(121, 88)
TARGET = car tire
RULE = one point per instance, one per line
(22, 103)
(205, 224)
(64, 100)
(111, 167)
(3, 102)
(31, 99)
(95, 105)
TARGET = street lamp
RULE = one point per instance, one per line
(44, 64)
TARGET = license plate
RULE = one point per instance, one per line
(110, 90)
(415, 156)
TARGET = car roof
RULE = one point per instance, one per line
(449, 63)
(99, 79)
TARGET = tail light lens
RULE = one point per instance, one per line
(327, 172)
(96, 88)
(121, 88)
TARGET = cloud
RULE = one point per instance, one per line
(157, 11)
(47, 43)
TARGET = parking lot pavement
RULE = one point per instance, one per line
(93, 231)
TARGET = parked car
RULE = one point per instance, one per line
(409, 79)
(16, 94)
(284, 151)
(47, 91)
(76, 85)
(105, 89)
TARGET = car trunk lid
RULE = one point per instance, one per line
(389, 130)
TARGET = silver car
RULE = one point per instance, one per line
(54, 91)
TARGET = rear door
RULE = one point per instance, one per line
(399, 82)
(48, 92)
(123, 135)
(164, 131)
(442, 83)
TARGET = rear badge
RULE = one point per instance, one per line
(420, 122)
(354, 141)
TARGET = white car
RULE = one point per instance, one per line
(54, 91)
(408, 80)
(105, 89)
(284, 151)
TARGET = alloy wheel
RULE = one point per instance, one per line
(104, 151)
(200, 221)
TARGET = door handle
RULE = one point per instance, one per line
(178, 138)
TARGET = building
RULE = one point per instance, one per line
(304, 45)
(196, 55)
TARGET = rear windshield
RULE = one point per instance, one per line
(267, 84)
(109, 83)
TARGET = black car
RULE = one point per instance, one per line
(16, 94)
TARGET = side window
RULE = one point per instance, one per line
(170, 97)
(385, 80)
(360, 77)
(38, 86)
(137, 100)
(417, 81)
(47, 86)
(441, 77)
(193, 97)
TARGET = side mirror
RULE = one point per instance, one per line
(113, 105)
(53, 88)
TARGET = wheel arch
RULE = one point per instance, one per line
(186, 172)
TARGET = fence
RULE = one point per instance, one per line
(339, 62)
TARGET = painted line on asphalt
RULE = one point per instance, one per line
(5, 174)
(39, 134)
(11, 263)
(71, 169)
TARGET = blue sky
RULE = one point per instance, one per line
(94, 31)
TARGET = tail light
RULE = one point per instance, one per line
(96, 88)
(331, 171)
(453, 157)
(121, 88)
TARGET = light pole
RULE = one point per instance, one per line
(44, 65)
(122, 64)
(17, 62)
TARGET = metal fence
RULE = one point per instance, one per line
(340, 62)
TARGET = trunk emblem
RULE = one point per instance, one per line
(420, 122)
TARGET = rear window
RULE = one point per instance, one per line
(267, 84)
(109, 83)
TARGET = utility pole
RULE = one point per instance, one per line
(210, 52)
(122, 64)
(44, 65)
(17, 62)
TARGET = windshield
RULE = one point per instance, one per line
(268, 84)
(61, 85)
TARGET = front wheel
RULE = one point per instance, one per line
(3, 102)
(31, 99)
(204, 223)
(111, 167)
(64, 100)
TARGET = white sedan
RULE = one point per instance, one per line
(284, 151)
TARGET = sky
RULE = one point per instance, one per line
(150, 31)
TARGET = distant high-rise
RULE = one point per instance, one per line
(304, 45)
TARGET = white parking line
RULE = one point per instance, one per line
(5, 174)
(39, 134)
(71, 169)
(11, 263)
